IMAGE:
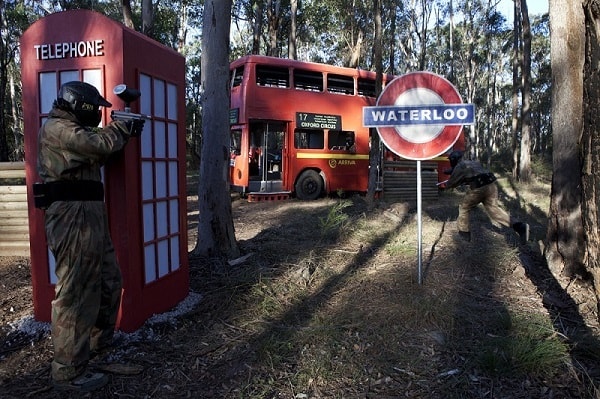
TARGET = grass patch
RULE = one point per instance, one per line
(526, 344)
(335, 220)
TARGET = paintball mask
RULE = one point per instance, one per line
(84, 100)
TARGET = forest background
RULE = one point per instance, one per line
(469, 42)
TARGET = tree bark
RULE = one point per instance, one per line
(216, 233)
(127, 14)
(5, 59)
(590, 148)
(147, 17)
(374, 152)
(565, 235)
(257, 12)
(273, 19)
(515, 89)
(525, 159)
(292, 39)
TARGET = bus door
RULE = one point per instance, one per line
(265, 163)
(237, 172)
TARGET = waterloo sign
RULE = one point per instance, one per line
(419, 115)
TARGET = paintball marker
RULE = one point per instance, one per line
(128, 95)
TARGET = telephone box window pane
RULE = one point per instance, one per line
(147, 181)
(172, 140)
(163, 258)
(159, 98)
(52, 267)
(174, 217)
(172, 179)
(161, 179)
(175, 253)
(172, 101)
(48, 91)
(149, 222)
(159, 140)
(94, 77)
(149, 263)
(161, 219)
(146, 141)
(68, 76)
(146, 98)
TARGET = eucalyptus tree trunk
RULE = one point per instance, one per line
(147, 17)
(564, 251)
(216, 234)
(17, 118)
(4, 63)
(516, 61)
(374, 152)
(257, 15)
(127, 14)
(525, 158)
(471, 66)
(273, 22)
(292, 39)
(590, 148)
(393, 11)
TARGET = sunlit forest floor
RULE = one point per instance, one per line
(332, 302)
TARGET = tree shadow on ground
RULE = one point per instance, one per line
(563, 309)
(283, 328)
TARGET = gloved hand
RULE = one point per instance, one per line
(135, 127)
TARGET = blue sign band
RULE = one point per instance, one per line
(443, 114)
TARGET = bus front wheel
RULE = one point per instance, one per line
(309, 185)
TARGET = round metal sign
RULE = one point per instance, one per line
(433, 131)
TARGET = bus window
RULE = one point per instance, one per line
(366, 87)
(235, 146)
(236, 76)
(305, 138)
(341, 140)
(272, 76)
(308, 80)
(340, 84)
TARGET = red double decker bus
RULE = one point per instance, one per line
(297, 128)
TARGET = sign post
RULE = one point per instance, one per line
(419, 116)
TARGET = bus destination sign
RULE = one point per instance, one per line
(309, 120)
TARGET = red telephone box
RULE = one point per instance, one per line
(145, 184)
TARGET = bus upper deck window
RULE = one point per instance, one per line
(366, 87)
(236, 76)
(272, 76)
(308, 80)
(309, 139)
(340, 84)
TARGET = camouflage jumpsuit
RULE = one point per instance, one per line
(88, 290)
(482, 189)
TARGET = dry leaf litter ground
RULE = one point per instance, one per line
(328, 305)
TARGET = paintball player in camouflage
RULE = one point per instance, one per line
(482, 189)
(72, 150)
